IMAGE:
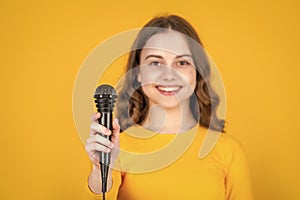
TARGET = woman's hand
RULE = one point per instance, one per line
(96, 143)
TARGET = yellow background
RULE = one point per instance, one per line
(255, 44)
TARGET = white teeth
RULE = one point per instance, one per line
(168, 89)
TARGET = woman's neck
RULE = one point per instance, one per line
(174, 120)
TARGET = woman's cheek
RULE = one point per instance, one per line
(149, 76)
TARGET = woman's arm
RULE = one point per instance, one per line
(95, 182)
(238, 181)
(112, 193)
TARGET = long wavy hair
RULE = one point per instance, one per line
(132, 104)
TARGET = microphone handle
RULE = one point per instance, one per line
(105, 120)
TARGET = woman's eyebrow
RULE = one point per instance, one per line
(184, 55)
(155, 56)
(160, 57)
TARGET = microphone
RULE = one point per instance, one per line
(105, 98)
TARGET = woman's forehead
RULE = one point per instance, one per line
(169, 41)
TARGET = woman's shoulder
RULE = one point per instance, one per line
(224, 143)
(224, 139)
(229, 140)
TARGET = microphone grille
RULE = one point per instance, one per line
(105, 98)
(105, 90)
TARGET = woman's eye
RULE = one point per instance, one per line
(155, 63)
(183, 62)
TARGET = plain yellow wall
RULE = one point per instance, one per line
(42, 45)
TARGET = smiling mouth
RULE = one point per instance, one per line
(168, 90)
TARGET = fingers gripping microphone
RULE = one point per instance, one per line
(105, 98)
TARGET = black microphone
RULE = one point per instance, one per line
(105, 98)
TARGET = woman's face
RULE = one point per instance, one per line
(167, 73)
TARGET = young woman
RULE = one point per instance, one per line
(165, 108)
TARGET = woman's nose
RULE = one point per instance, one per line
(169, 73)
